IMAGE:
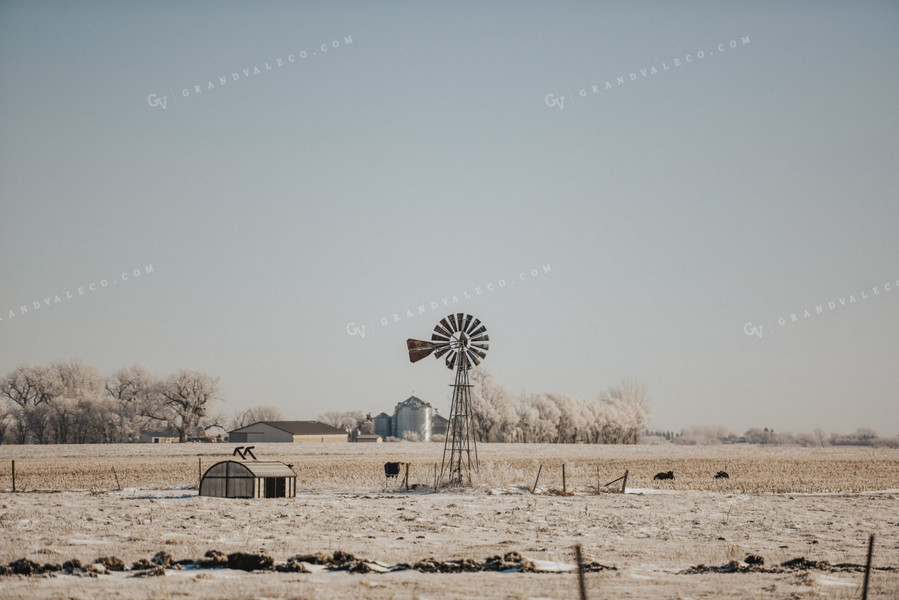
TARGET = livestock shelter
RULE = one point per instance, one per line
(287, 431)
(249, 479)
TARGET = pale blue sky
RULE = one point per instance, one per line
(422, 160)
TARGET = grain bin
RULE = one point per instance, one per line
(383, 425)
(413, 415)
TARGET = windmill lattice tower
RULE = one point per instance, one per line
(462, 339)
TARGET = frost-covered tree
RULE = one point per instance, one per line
(186, 398)
(344, 420)
(539, 418)
(493, 408)
(248, 416)
(134, 395)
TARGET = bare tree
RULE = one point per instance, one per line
(134, 393)
(186, 398)
(344, 420)
(73, 391)
(248, 416)
(25, 385)
(5, 423)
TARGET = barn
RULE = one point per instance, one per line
(249, 479)
(287, 431)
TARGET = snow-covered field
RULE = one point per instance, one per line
(779, 504)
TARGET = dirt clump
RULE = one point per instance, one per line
(23, 566)
(112, 563)
(245, 561)
(213, 559)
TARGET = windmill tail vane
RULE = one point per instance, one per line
(462, 341)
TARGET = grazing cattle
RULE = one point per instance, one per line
(668, 475)
(391, 469)
(722, 475)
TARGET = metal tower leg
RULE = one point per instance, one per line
(459, 437)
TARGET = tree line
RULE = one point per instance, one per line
(72, 403)
(709, 435)
(618, 416)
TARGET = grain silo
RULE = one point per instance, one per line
(383, 425)
(249, 479)
(413, 415)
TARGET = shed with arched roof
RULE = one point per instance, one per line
(249, 479)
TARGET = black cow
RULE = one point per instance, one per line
(391, 469)
(722, 475)
(668, 475)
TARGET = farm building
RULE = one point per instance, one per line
(168, 436)
(287, 431)
(249, 479)
(439, 425)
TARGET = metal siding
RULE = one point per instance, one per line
(383, 425)
(415, 419)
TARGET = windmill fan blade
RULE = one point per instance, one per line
(442, 350)
(451, 360)
(441, 329)
(452, 320)
(472, 327)
(478, 331)
(419, 349)
(472, 358)
(480, 353)
(481, 346)
(439, 337)
(447, 326)
(459, 318)
(468, 319)
(481, 338)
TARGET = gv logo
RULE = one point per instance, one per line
(353, 329)
(552, 101)
(748, 329)
(153, 100)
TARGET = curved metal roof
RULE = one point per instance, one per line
(253, 468)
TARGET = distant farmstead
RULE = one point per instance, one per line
(168, 436)
(287, 431)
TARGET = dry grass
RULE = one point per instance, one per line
(359, 467)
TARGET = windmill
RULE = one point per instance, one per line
(462, 340)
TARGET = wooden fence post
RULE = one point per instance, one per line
(406, 478)
(868, 567)
(624, 483)
(117, 484)
(564, 482)
(534, 489)
(199, 471)
(13, 475)
(435, 477)
(582, 585)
